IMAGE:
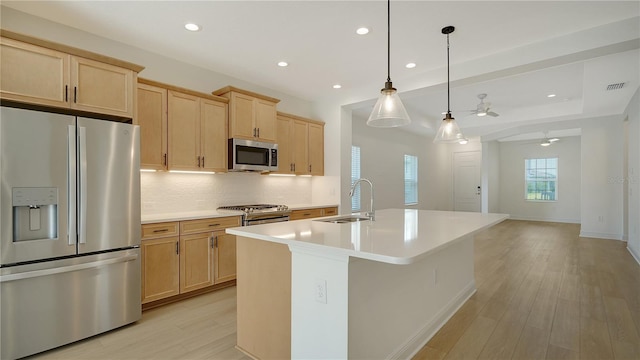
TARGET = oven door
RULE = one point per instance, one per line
(266, 220)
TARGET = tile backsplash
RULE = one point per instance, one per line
(163, 192)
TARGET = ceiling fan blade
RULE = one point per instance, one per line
(491, 113)
(553, 139)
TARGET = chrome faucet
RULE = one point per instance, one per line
(372, 212)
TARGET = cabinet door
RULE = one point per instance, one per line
(300, 147)
(184, 131)
(213, 126)
(241, 114)
(265, 120)
(160, 268)
(225, 257)
(316, 149)
(152, 118)
(102, 88)
(33, 74)
(283, 138)
(196, 259)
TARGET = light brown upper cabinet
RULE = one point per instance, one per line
(251, 116)
(197, 133)
(40, 72)
(181, 129)
(152, 118)
(300, 145)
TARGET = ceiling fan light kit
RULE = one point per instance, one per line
(449, 131)
(388, 110)
(483, 109)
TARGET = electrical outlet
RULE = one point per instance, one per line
(320, 290)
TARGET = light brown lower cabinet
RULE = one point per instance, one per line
(179, 257)
(300, 214)
(160, 268)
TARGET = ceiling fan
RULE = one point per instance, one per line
(484, 108)
(548, 141)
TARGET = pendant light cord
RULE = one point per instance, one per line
(388, 40)
(448, 95)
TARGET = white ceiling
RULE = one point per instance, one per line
(517, 52)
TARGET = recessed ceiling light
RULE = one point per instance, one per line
(410, 65)
(551, 95)
(283, 64)
(192, 27)
(362, 31)
(337, 86)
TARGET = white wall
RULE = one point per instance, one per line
(633, 231)
(163, 192)
(512, 182)
(602, 178)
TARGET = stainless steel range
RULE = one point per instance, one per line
(260, 213)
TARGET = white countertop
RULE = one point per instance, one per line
(187, 215)
(398, 236)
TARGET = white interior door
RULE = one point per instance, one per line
(466, 181)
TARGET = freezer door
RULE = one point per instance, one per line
(37, 150)
(49, 304)
(108, 185)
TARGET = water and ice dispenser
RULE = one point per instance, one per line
(35, 214)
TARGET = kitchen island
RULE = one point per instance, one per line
(365, 289)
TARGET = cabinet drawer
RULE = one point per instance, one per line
(330, 211)
(204, 225)
(158, 230)
(305, 214)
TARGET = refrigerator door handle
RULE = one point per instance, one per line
(71, 184)
(66, 269)
(82, 219)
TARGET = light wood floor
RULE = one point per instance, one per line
(543, 292)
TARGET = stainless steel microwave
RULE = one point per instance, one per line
(249, 155)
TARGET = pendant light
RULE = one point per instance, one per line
(388, 111)
(449, 132)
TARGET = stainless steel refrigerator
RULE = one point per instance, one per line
(70, 229)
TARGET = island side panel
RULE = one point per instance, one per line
(320, 290)
(395, 309)
(263, 298)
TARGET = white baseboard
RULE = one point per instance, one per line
(635, 256)
(598, 235)
(420, 339)
(529, 218)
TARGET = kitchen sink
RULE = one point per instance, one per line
(344, 219)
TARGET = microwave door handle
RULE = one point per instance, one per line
(71, 185)
(83, 185)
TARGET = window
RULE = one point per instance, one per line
(541, 178)
(355, 175)
(410, 180)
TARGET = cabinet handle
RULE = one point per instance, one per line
(307, 214)
(75, 94)
(254, 132)
(211, 240)
(177, 248)
(294, 166)
(66, 93)
(165, 159)
(198, 161)
(258, 132)
(215, 241)
(160, 230)
(214, 224)
(309, 167)
(291, 167)
(203, 161)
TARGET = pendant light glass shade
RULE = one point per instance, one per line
(388, 111)
(449, 131)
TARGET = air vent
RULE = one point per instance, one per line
(615, 86)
